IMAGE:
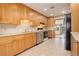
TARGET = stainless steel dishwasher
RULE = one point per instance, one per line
(40, 37)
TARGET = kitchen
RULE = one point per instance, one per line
(22, 27)
(19, 26)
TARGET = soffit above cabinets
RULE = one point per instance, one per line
(50, 9)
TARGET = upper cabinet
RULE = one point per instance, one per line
(13, 13)
(75, 17)
(51, 22)
(9, 13)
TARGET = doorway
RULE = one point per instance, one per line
(60, 27)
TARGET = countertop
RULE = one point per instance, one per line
(20, 30)
(75, 35)
(10, 33)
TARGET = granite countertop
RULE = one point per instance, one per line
(75, 35)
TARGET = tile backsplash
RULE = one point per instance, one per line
(9, 29)
(13, 29)
(4, 27)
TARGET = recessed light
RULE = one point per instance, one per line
(45, 9)
(51, 14)
(63, 11)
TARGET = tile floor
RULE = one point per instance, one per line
(50, 47)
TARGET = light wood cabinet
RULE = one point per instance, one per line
(50, 22)
(12, 45)
(9, 13)
(19, 44)
(51, 34)
(50, 25)
(6, 46)
(74, 47)
(75, 28)
(6, 49)
(75, 17)
(13, 13)
(30, 40)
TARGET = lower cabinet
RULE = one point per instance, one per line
(12, 45)
(19, 44)
(4, 50)
(30, 40)
(6, 46)
(51, 34)
(74, 47)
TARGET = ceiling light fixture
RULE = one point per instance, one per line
(51, 14)
(45, 9)
(65, 11)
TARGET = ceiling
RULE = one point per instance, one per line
(50, 9)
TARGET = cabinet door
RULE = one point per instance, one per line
(7, 49)
(53, 34)
(74, 47)
(50, 34)
(19, 44)
(9, 13)
(27, 41)
(6, 46)
(22, 12)
(3, 13)
(73, 51)
(30, 40)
